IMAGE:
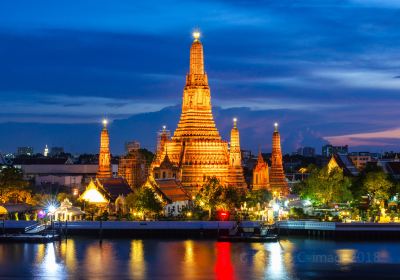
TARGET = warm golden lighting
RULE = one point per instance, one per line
(196, 35)
(277, 178)
(137, 261)
(104, 170)
(205, 154)
(92, 195)
(346, 256)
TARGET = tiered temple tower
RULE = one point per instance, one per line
(277, 179)
(196, 146)
(235, 176)
(104, 170)
(261, 174)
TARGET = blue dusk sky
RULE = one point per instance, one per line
(327, 71)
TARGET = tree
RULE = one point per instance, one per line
(210, 195)
(231, 198)
(12, 186)
(378, 186)
(358, 188)
(257, 198)
(144, 200)
(324, 187)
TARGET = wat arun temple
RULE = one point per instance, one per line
(195, 152)
(196, 149)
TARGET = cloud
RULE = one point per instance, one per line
(361, 78)
(55, 108)
(320, 67)
(380, 138)
(394, 4)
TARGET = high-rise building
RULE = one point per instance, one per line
(24, 151)
(104, 170)
(196, 146)
(329, 150)
(56, 151)
(306, 151)
(261, 174)
(360, 159)
(277, 178)
(46, 151)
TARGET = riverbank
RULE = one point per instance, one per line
(208, 229)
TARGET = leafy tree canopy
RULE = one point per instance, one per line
(144, 200)
(323, 187)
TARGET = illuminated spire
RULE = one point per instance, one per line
(260, 173)
(196, 56)
(235, 176)
(277, 177)
(260, 158)
(235, 155)
(196, 119)
(104, 170)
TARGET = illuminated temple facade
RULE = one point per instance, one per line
(261, 174)
(196, 147)
(277, 178)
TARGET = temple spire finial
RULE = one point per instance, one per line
(234, 122)
(276, 127)
(105, 122)
(196, 35)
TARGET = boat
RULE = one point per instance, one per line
(250, 232)
(29, 238)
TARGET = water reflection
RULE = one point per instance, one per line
(276, 267)
(138, 264)
(100, 260)
(223, 266)
(67, 250)
(346, 256)
(189, 265)
(196, 259)
(48, 263)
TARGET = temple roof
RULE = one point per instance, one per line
(171, 190)
(393, 168)
(345, 164)
(115, 187)
(107, 189)
(167, 164)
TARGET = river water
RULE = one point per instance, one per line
(294, 258)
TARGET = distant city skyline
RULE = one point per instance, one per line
(326, 72)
